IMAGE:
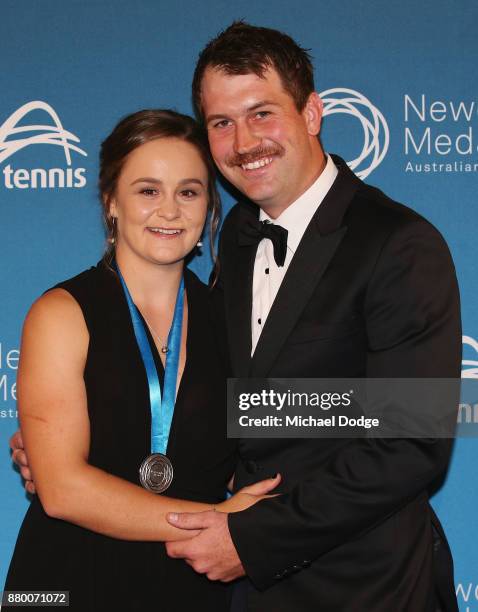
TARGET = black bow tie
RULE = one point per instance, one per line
(252, 231)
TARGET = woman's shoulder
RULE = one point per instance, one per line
(72, 298)
(208, 304)
(55, 318)
(83, 283)
(193, 281)
(200, 293)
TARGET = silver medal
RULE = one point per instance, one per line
(156, 473)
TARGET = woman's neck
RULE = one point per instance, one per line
(151, 285)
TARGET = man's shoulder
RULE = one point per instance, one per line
(235, 213)
(376, 211)
(369, 205)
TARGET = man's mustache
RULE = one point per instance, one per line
(238, 159)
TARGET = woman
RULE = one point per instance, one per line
(87, 397)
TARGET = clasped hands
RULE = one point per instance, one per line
(212, 551)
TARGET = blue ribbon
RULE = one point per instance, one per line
(162, 409)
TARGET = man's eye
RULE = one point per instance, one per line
(262, 114)
(222, 124)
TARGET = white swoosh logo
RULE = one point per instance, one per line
(50, 134)
(471, 372)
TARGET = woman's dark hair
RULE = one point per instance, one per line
(132, 132)
(246, 49)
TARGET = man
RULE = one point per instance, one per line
(365, 288)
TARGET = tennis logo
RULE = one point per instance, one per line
(469, 367)
(15, 138)
(376, 135)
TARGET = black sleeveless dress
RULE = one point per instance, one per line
(100, 572)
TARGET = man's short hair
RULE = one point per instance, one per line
(244, 49)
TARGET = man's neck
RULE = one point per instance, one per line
(274, 211)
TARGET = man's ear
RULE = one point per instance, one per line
(312, 113)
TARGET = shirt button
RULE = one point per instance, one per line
(259, 321)
(267, 270)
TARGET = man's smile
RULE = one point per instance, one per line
(259, 163)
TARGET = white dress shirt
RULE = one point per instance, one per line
(268, 275)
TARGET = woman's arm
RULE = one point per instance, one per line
(55, 427)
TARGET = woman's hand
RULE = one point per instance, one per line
(250, 495)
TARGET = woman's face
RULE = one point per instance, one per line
(160, 201)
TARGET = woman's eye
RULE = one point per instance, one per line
(149, 191)
(188, 193)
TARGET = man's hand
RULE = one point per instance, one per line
(212, 551)
(20, 458)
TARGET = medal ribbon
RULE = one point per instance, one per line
(162, 409)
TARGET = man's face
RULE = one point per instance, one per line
(259, 140)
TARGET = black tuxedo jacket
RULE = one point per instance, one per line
(370, 292)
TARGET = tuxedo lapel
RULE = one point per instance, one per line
(314, 253)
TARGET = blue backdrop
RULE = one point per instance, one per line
(399, 82)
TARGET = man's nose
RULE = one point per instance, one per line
(245, 139)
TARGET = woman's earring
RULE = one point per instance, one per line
(199, 244)
(112, 238)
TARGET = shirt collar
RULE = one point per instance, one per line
(296, 217)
